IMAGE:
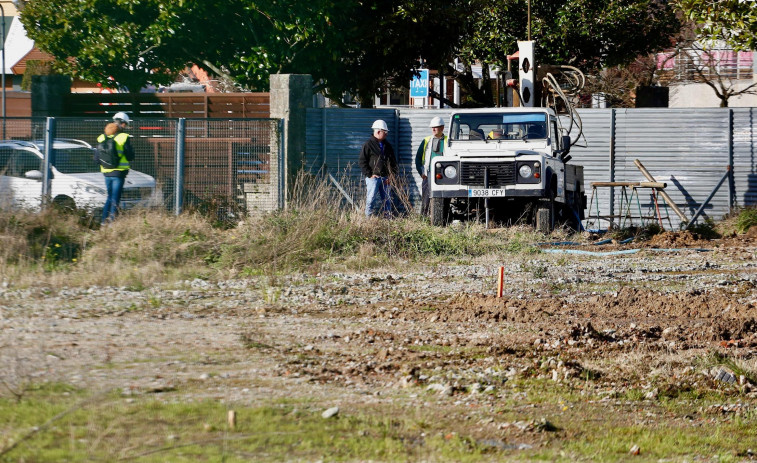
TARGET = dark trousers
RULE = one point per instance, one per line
(425, 196)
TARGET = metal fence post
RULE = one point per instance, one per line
(48, 160)
(282, 163)
(612, 161)
(731, 182)
(324, 142)
(179, 172)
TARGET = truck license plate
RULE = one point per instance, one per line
(485, 193)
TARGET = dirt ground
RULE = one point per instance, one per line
(679, 314)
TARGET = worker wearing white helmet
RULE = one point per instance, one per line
(115, 154)
(378, 165)
(427, 151)
(121, 117)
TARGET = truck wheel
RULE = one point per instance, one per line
(439, 210)
(577, 211)
(545, 215)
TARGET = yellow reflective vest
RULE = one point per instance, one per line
(424, 155)
(120, 139)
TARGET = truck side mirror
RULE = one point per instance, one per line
(565, 146)
(436, 144)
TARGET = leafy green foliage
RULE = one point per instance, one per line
(746, 220)
(348, 46)
(734, 21)
(588, 34)
(35, 68)
(50, 238)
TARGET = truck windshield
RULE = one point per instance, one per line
(499, 126)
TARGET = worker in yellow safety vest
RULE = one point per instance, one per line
(423, 158)
(116, 177)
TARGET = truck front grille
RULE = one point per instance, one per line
(500, 174)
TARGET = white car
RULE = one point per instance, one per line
(76, 181)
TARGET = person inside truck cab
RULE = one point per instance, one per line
(495, 134)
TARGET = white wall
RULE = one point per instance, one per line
(702, 96)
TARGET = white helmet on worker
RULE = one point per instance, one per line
(121, 117)
(380, 125)
(436, 122)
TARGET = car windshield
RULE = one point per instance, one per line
(75, 161)
(499, 126)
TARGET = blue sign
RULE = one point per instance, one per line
(419, 85)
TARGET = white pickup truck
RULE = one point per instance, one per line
(510, 164)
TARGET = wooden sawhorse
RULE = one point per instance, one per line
(625, 216)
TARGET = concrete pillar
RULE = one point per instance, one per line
(291, 95)
(48, 93)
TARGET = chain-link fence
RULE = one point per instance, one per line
(228, 168)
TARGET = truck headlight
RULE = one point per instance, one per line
(446, 172)
(525, 171)
(529, 172)
(450, 172)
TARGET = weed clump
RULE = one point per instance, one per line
(49, 238)
(746, 220)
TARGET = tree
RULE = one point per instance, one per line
(348, 45)
(588, 34)
(734, 21)
(351, 46)
(134, 42)
(619, 84)
(714, 64)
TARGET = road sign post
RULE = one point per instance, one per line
(419, 85)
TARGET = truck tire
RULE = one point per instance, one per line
(545, 215)
(439, 210)
(577, 210)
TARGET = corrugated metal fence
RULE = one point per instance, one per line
(689, 149)
(230, 167)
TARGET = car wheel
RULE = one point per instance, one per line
(64, 204)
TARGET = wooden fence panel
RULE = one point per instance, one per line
(169, 105)
(18, 104)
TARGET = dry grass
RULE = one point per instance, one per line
(319, 229)
(142, 247)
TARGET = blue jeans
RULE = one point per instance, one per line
(378, 197)
(115, 186)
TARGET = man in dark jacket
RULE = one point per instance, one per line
(379, 165)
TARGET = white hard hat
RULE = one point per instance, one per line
(437, 122)
(379, 125)
(121, 116)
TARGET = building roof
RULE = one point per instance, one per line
(17, 46)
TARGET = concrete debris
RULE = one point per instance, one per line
(331, 412)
